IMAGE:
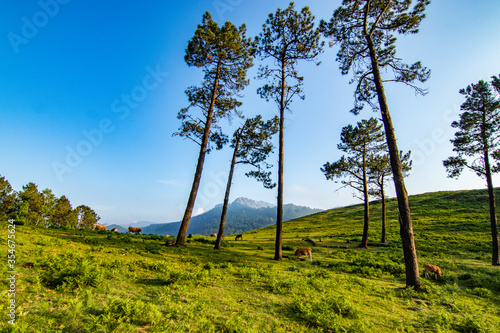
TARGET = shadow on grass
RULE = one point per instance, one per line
(154, 282)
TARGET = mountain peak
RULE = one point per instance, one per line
(242, 201)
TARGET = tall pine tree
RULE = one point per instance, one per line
(379, 170)
(477, 143)
(224, 53)
(366, 31)
(251, 145)
(363, 144)
(288, 37)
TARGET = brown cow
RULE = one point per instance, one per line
(114, 230)
(303, 251)
(136, 230)
(433, 269)
(167, 236)
(99, 227)
(213, 235)
(238, 236)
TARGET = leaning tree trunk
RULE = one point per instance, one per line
(181, 237)
(406, 227)
(364, 240)
(495, 258)
(218, 242)
(279, 215)
(384, 215)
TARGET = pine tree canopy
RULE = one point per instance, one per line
(362, 144)
(254, 146)
(225, 54)
(478, 132)
(357, 25)
(287, 37)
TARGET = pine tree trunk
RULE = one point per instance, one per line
(495, 258)
(406, 227)
(218, 242)
(382, 194)
(181, 236)
(279, 216)
(364, 240)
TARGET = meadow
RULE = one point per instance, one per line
(86, 281)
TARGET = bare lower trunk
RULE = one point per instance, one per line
(406, 227)
(383, 238)
(495, 257)
(364, 240)
(218, 242)
(279, 215)
(181, 236)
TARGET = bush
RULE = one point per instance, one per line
(281, 285)
(203, 240)
(120, 313)
(153, 248)
(70, 273)
(470, 324)
(90, 240)
(325, 312)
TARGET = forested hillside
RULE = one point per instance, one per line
(31, 206)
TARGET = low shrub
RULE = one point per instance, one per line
(472, 324)
(325, 312)
(154, 248)
(90, 240)
(70, 273)
(117, 313)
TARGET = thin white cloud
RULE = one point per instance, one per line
(172, 182)
(199, 211)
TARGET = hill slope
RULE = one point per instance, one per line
(82, 281)
(243, 214)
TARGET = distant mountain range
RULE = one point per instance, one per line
(243, 214)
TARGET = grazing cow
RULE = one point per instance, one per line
(303, 251)
(114, 230)
(213, 235)
(190, 236)
(433, 269)
(239, 236)
(167, 236)
(99, 227)
(136, 230)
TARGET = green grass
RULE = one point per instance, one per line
(83, 281)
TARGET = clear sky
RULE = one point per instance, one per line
(90, 90)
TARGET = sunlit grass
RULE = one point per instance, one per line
(82, 281)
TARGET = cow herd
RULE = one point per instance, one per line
(100, 227)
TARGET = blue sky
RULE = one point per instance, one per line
(90, 90)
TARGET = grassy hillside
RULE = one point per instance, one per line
(82, 281)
